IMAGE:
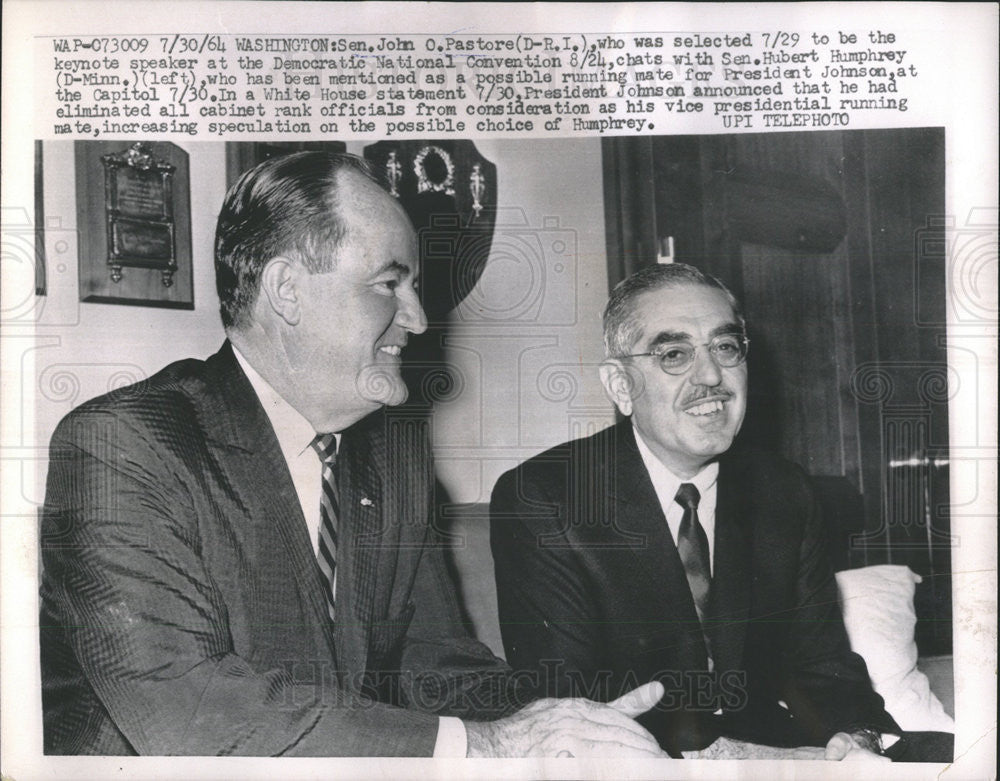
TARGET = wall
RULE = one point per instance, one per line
(526, 342)
(83, 350)
(524, 345)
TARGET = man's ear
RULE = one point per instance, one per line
(617, 385)
(279, 288)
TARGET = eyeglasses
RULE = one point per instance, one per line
(728, 351)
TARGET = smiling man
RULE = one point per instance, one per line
(238, 556)
(652, 551)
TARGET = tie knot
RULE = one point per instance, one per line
(325, 446)
(687, 496)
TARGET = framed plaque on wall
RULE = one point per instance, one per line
(134, 219)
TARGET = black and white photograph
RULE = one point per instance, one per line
(445, 446)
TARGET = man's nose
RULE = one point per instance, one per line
(705, 370)
(410, 314)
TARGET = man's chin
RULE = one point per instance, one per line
(382, 386)
(711, 444)
(396, 397)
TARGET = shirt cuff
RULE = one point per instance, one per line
(451, 738)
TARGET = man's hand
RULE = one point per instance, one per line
(841, 746)
(572, 727)
(844, 746)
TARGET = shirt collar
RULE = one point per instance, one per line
(662, 476)
(293, 431)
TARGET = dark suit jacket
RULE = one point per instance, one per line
(182, 607)
(593, 596)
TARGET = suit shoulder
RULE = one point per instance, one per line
(167, 395)
(551, 468)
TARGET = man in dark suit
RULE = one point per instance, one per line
(648, 551)
(237, 552)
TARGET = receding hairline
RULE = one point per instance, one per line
(372, 195)
(636, 300)
(622, 329)
(680, 284)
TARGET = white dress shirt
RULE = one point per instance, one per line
(295, 435)
(666, 484)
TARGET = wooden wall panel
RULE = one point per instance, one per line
(799, 353)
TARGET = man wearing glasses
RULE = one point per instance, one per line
(651, 551)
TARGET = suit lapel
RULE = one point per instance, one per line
(361, 542)
(240, 433)
(637, 515)
(729, 604)
(638, 511)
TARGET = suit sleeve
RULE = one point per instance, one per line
(550, 629)
(131, 617)
(828, 690)
(443, 669)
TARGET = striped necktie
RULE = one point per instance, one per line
(325, 446)
(692, 545)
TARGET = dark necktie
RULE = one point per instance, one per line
(692, 545)
(325, 446)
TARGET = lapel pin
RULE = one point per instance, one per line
(366, 502)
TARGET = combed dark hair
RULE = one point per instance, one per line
(285, 206)
(620, 327)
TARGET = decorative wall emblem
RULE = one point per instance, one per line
(449, 191)
(393, 170)
(477, 187)
(435, 171)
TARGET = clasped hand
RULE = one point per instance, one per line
(571, 727)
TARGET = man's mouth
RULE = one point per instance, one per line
(391, 349)
(705, 408)
(710, 406)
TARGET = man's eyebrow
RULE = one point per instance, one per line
(665, 337)
(394, 265)
(668, 337)
(724, 330)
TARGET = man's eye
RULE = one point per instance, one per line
(674, 354)
(388, 284)
(727, 347)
